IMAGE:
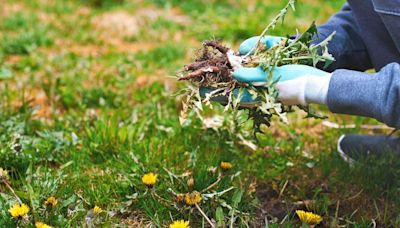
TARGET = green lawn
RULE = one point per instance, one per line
(88, 105)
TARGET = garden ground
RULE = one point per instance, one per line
(89, 105)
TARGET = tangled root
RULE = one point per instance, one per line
(212, 66)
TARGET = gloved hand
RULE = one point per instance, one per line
(250, 43)
(297, 85)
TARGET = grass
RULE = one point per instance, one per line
(86, 111)
(23, 33)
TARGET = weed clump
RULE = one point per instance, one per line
(211, 75)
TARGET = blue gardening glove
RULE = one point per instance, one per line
(250, 43)
(297, 85)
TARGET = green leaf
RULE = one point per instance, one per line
(307, 36)
(219, 217)
(237, 197)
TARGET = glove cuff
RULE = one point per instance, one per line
(316, 89)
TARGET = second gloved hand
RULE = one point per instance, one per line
(297, 85)
(249, 44)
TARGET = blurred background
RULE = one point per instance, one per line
(88, 105)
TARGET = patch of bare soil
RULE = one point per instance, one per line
(119, 23)
(135, 219)
(113, 27)
(6, 9)
(38, 100)
(274, 206)
(42, 104)
(12, 59)
(125, 47)
(159, 76)
(344, 202)
(90, 50)
(86, 50)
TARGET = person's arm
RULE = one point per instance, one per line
(375, 95)
(347, 46)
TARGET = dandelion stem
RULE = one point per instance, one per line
(224, 204)
(297, 58)
(12, 191)
(213, 184)
(160, 198)
(204, 215)
(210, 195)
(283, 188)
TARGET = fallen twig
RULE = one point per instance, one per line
(213, 184)
(204, 215)
(210, 195)
(356, 195)
(12, 191)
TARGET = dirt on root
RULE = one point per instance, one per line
(212, 65)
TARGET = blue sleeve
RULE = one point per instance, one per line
(375, 95)
(347, 46)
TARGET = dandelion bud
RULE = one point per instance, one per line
(225, 166)
(190, 182)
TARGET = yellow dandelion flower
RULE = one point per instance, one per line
(97, 210)
(19, 210)
(180, 224)
(308, 217)
(51, 201)
(226, 166)
(3, 174)
(192, 198)
(42, 225)
(149, 179)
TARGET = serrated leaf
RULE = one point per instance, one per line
(307, 36)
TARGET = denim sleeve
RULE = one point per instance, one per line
(347, 46)
(375, 95)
